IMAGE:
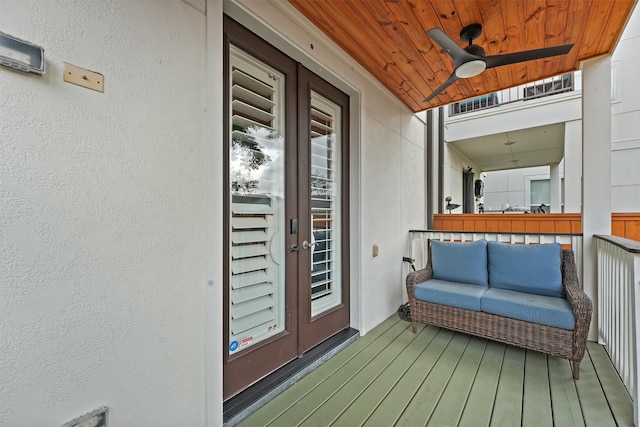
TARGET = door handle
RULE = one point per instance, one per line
(293, 248)
(307, 245)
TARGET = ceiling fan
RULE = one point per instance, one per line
(472, 60)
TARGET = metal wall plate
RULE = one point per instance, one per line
(83, 77)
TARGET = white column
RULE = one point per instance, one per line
(555, 193)
(573, 166)
(596, 161)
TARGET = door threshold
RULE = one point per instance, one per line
(253, 398)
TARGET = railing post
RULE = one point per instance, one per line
(618, 284)
(635, 280)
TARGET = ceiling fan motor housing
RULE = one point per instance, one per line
(475, 49)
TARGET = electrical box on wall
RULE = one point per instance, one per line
(21, 55)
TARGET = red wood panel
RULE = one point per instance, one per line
(517, 226)
(469, 225)
(576, 226)
(480, 225)
(504, 226)
(626, 224)
(617, 227)
(532, 226)
(563, 226)
(547, 226)
(492, 226)
(388, 38)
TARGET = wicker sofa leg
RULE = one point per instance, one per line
(576, 370)
(414, 326)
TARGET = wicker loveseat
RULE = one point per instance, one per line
(523, 295)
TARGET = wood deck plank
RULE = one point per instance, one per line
(426, 399)
(280, 404)
(393, 377)
(345, 395)
(334, 380)
(564, 397)
(593, 402)
(374, 395)
(615, 392)
(478, 409)
(536, 405)
(397, 400)
(453, 400)
(507, 410)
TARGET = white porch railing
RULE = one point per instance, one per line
(538, 89)
(419, 239)
(618, 304)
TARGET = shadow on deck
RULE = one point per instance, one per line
(393, 377)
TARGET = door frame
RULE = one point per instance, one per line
(243, 38)
(236, 34)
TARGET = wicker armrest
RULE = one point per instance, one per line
(416, 277)
(579, 301)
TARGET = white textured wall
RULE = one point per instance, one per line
(454, 164)
(101, 216)
(625, 121)
(393, 199)
(510, 186)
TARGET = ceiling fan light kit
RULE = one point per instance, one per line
(472, 60)
(470, 69)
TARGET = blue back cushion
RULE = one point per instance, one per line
(460, 262)
(534, 269)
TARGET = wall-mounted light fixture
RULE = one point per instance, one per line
(21, 55)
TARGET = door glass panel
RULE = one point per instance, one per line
(325, 204)
(257, 174)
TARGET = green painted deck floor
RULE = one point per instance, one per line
(393, 377)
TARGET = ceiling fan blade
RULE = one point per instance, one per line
(442, 87)
(527, 55)
(458, 54)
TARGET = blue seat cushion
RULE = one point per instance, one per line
(460, 262)
(461, 295)
(545, 310)
(533, 269)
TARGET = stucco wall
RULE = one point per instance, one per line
(101, 216)
(510, 186)
(393, 199)
(625, 121)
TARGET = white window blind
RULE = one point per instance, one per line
(325, 204)
(257, 182)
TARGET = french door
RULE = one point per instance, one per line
(286, 273)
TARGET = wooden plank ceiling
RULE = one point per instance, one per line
(388, 38)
